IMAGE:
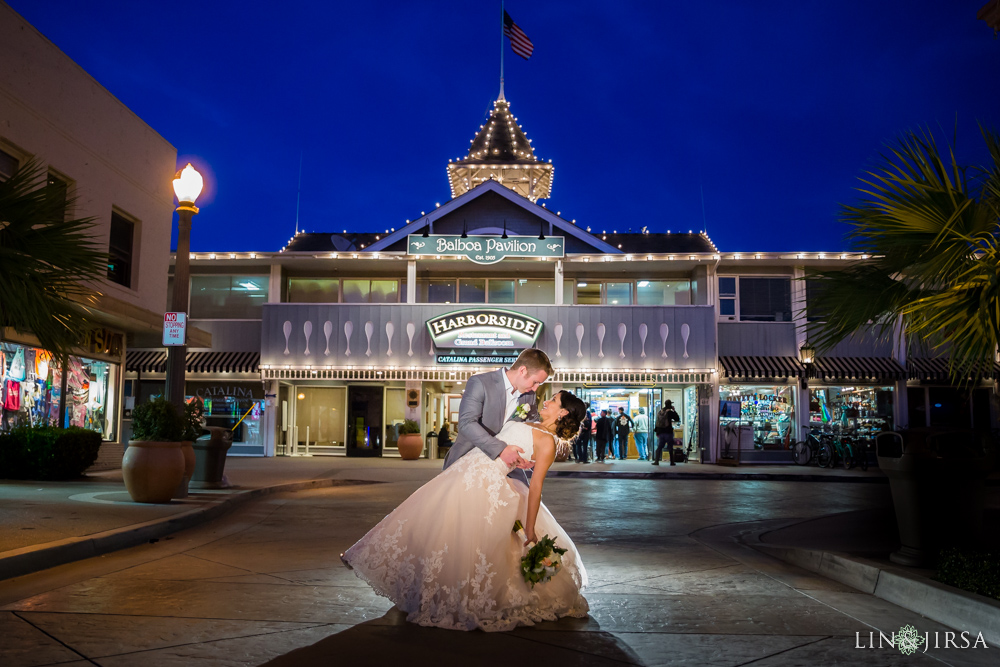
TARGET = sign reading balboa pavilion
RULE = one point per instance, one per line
(485, 249)
(500, 334)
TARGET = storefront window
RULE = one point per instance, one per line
(222, 297)
(313, 290)
(472, 290)
(619, 294)
(31, 387)
(861, 411)
(501, 291)
(395, 414)
(371, 291)
(588, 293)
(320, 416)
(530, 290)
(766, 411)
(235, 406)
(663, 292)
(436, 291)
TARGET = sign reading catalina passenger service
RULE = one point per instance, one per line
(484, 329)
(486, 249)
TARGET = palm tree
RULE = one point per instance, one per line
(929, 231)
(48, 263)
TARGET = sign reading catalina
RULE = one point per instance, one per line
(486, 249)
(484, 329)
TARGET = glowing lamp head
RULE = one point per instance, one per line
(188, 184)
(807, 354)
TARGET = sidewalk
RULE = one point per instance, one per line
(853, 548)
(44, 524)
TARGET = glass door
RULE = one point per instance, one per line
(364, 421)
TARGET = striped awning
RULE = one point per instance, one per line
(146, 361)
(155, 361)
(858, 368)
(918, 368)
(223, 362)
(761, 367)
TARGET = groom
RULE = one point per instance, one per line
(489, 401)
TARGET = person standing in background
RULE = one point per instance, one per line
(604, 432)
(641, 432)
(665, 419)
(623, 424)
(591, 454)
(582, 442)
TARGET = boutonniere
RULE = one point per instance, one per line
(521, 412)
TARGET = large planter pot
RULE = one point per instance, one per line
(182, 489)
(411, 446)
(938, 485)
(210, 459)
(152, 470)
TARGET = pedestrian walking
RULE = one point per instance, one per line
(623, 424)
(664, 428)
(582, 441)
(604, 433)
(641, 433)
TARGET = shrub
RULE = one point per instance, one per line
(409, 427)
(47, 453)
(973, 571)
(158, 421)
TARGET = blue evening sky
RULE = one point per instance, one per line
(772, 108)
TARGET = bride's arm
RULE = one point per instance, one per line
(545, 453)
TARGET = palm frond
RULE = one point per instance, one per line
(46, 259)
(931, 227)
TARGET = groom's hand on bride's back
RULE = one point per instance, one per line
(511, 455)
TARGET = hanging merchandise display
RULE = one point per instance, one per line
(32, 390)
(17, 370)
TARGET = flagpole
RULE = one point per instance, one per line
(501, 47)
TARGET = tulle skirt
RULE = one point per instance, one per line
(447, 555)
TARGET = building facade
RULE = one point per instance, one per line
(327, 345)
(117, 170)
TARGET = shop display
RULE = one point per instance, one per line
(766, 412)
(860, 411)
(32, 384)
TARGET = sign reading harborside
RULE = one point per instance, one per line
(174, 329)
(484, 328)
(486, 249)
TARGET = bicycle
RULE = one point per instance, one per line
(805, 452)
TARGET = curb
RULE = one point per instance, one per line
(26, 560)
(760, 477)
(944, 604)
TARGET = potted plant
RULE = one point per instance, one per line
(153, 465)
(410, 443)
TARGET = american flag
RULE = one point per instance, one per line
(519, 42)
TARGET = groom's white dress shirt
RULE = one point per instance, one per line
(512, 395)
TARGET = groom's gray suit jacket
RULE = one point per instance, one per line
(482, 415)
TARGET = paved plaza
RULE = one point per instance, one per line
(671, 583)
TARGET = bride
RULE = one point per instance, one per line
(447, 555)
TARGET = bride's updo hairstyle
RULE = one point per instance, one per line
(568, 425)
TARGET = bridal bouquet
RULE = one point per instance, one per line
(542, 560)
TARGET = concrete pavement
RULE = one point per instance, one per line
(49, 523)
(672, 583)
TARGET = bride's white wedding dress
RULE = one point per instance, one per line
(447, 557)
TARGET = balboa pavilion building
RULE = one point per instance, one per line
(328, 345)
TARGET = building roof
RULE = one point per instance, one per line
(629, 243)
(502, 152)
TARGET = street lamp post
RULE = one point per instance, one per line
(187, 186)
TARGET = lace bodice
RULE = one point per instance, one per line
(520, 435)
